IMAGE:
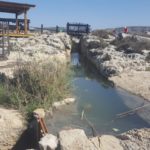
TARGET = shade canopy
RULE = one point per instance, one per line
(17, 8)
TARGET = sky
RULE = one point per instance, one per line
(98, 13)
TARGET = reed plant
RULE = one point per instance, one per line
(36, 85)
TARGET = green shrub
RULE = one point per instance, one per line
(131, 45)
(35, 85)
(101, 34)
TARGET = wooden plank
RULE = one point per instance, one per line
(43, 126)
(25, 22)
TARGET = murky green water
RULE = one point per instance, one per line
(101, 103)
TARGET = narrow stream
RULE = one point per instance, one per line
(101, 102)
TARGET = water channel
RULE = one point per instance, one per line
(100, 102)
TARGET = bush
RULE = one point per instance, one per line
(103, 44)
(131, 45)
(36, 85)
(94, 44)
(101, 34)
(148, 57)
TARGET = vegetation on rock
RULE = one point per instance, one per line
(131, 45)
(101, 33)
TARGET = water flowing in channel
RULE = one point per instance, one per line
(100, 102)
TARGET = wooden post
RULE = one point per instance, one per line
(17, 27)
(57, 29)
(67, 28)
(41, 28)
(25, 22)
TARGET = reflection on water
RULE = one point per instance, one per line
(101, 103)
(75, 59)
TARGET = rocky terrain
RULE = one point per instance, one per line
(36, 48)
(128, 70)
(75, 139)
(12, 125)
(135, 139)
(39, 48)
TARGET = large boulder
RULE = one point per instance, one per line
(12, 125)
(75, 139)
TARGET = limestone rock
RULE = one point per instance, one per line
(48, 142)
(110, 62)
(45, 43)
(136, 139)
(37, 48)
(12, 125)
(66, 101)
(69, 100)
(40, 112)
(58, 104)
(90, 42)
(95, 141)
(108, 142)
(75, 139)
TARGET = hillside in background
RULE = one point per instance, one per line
(136, 29)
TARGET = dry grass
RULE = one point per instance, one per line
(35, 85)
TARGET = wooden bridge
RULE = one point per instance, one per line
(78, 29)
